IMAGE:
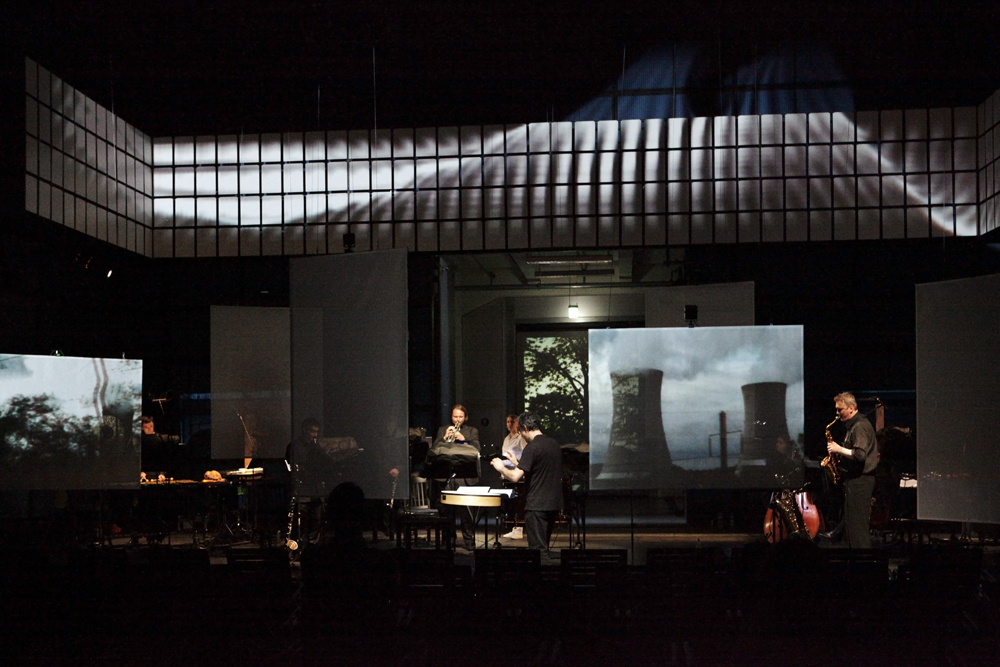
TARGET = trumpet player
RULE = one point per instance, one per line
(459, 432)
(858, 457)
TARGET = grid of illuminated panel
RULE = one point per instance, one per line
(892, 174)
(989, 163)
(736, 179)
(86, 168)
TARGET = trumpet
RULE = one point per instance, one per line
(830, 463)
(452, 432)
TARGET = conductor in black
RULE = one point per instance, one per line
(541, 468)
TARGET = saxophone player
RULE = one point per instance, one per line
(858, 457)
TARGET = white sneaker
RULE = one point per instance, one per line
(516, 534)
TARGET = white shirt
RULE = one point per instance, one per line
(513, 443)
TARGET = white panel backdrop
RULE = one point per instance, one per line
(958, 390)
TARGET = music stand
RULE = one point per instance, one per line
(445, 466)
(452, 465)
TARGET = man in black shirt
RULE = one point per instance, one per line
(858, 459)
(541, 468)
(159, 451)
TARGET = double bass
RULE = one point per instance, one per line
(791, 513)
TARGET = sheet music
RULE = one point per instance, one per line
(482, 491)
(472, 490)
(516, 450)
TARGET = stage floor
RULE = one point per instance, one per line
(636, 536)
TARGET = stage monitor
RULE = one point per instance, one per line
(69, 423)
(696, 408)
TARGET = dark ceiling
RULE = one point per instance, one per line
(203, 67)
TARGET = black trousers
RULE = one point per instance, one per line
(857, 511)
(538, 525)
(515, 508)
(463, 514)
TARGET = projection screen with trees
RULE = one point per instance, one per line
(69, 423)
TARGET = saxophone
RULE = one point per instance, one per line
(392, 493)
(290, 543)
(830, 463)
(783, 502)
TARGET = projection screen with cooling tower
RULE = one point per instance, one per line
(696, 408)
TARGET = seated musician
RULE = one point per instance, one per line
(460, 434)
(787, 461)
(311, 455)
(514, 444)
(317, 465)
(159, 451)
